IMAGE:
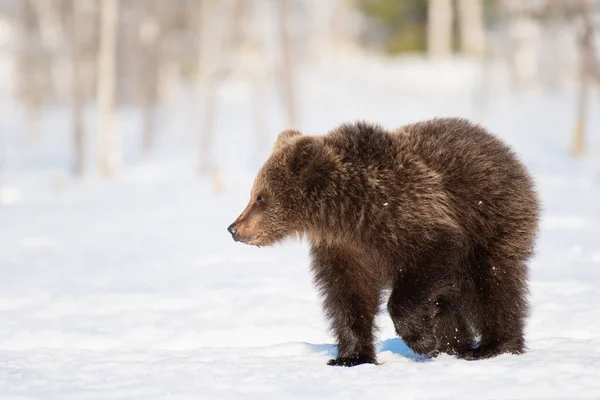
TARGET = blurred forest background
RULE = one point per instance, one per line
(94, 57)
(130, 135)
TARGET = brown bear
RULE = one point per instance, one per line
(440, 212)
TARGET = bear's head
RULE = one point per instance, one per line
(289, 191)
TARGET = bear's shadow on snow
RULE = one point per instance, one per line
(394, 345)
(397, 346)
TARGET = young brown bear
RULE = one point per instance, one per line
(440, 212)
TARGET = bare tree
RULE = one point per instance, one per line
(210, 42)
(287, 63)
(472, 27)
(30, 76)
(589, 72)
(250, 61)
(171, 59)
(53, 38)
(343, 33)
(318, 25)
(150, 32)
(439, 28)
(583, 12)
(82, 27)
(523, 38)
(109, 146)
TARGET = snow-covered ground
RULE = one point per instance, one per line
(133, 289)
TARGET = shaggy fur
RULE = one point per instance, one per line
(440, 212)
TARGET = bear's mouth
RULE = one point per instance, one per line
(253, 239)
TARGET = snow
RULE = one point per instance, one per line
(133, 289)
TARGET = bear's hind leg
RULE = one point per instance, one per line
(412, 310)
(421, 303)
(501, 309)
(351, 301)
(451, 329)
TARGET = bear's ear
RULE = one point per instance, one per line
(312, 162)
(284, 137)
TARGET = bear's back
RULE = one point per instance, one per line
(489, 190)
(363, 145)
(489, 186)
(456, 147)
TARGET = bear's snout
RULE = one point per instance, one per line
(244, 231)
(233, 230)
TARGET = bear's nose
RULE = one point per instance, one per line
(232, 229)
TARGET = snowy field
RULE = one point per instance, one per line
(133, 289)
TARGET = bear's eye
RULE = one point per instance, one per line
(260, 200)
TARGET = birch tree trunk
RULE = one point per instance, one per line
(523, 35)
(342, 31)
(287, 75)
(319, 31)
(109, 140)
(52, 35)
(149, 40)
(80, 21)
(587, 63)
(29, 75)
(439, 28)
(578, 143)
(472, 27)
(210, 42)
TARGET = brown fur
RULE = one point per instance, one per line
(440, 212)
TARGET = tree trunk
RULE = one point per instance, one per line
(259, 110)
(342, 30)
(439, 28)
(28, 71)
(109, 146)
(149, 41)
(523, 35)
(319, 31)
(587, 62)
(52, 35)
(209, 63)
(578, 144)
(80, 30)
(472, 27)
(287, 74)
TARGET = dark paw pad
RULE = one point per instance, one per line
(350, 361)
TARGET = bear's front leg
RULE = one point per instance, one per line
(351, 300)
